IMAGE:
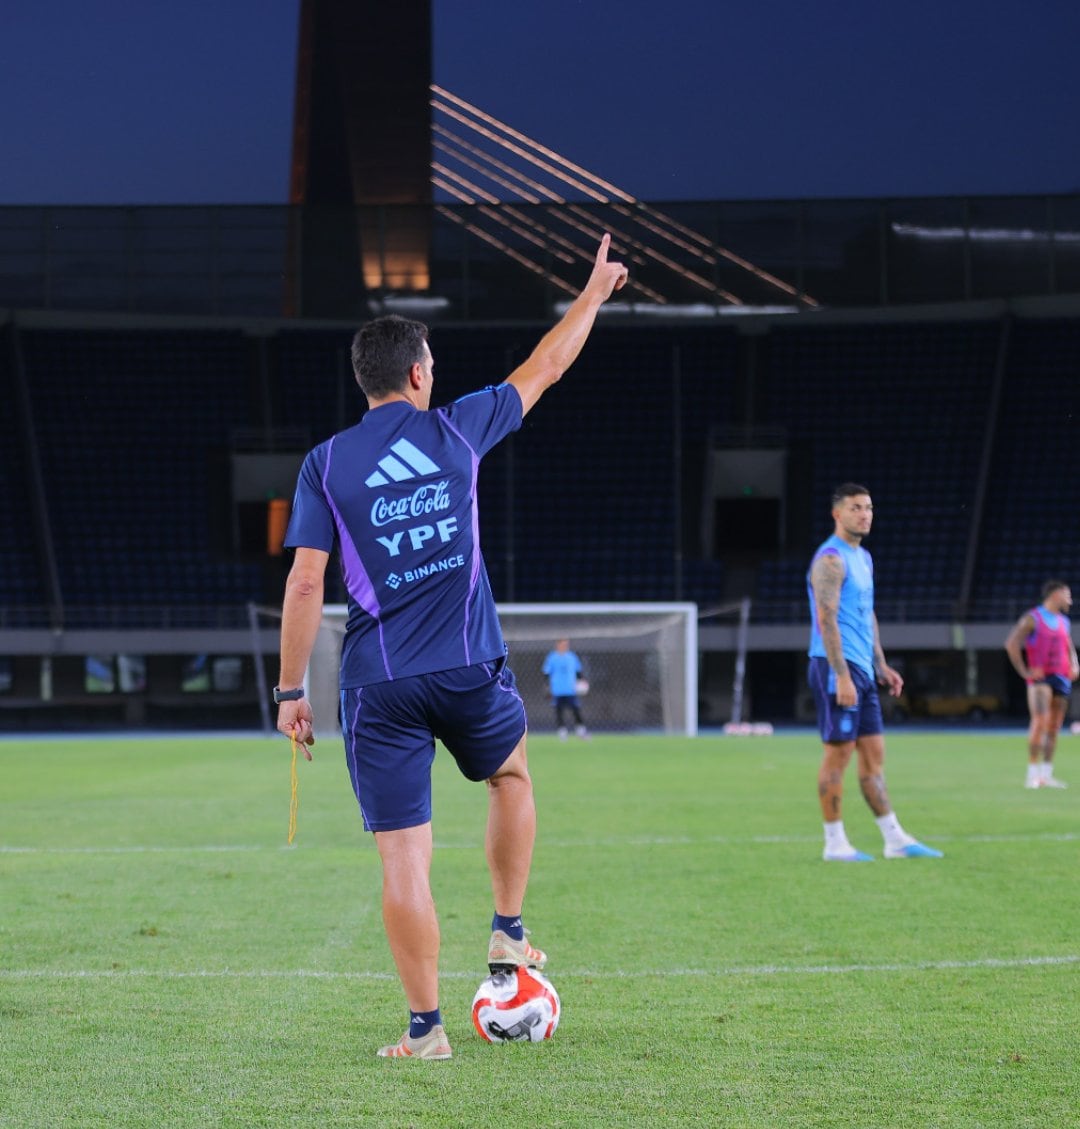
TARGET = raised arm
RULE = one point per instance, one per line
(559, 347)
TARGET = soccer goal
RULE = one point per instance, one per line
(640, 662)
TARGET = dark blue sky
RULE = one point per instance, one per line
(120, 102)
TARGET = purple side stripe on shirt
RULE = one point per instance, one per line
(357, 582)
(474, 571)
(350, 744)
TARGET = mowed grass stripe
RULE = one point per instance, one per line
(622, 974)
(630, 841)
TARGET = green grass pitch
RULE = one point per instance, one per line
(166, 960)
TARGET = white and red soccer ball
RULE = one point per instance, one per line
(518, 1005)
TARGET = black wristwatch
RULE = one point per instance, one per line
(288, 695)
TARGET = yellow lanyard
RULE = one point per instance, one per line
(294, 798)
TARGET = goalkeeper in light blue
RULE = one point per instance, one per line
(565, 674)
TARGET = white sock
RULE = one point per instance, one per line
(1033, 773)
(891, 831)
(836, 839)
(1046, 770)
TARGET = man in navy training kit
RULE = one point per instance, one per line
(423, 655)
(845, 659)
(563, 669)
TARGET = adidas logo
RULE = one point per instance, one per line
(407, 461)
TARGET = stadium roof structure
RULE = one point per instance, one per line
(372, 132)
(548, 213)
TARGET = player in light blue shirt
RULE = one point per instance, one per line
(423, 656)
(564, 671)
(846, 663)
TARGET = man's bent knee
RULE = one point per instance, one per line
(409, 846)
(515, 767)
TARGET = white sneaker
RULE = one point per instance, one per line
(845, 854)
(505, 952)
(433, 1045)
(913, 850)
(1052, 782)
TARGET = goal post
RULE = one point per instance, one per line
(640, 660)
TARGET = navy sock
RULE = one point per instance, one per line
(421, 1022)
(511, 926)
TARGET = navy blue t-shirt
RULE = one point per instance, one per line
(397, 493)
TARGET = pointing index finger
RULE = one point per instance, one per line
(601, 254)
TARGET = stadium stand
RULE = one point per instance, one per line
(21, 587)
(1030, 530)
(600, 495)
(903, 410)
(128, 422)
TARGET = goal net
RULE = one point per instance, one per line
(640, 663)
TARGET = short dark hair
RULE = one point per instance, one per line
(847, 490)
(383, 351)
(1052, 586)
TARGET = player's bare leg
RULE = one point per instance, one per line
(1058, 708)
(898, 843)
(1040, 702)
(1055, 719)
(871, 752)
(834, 761)
(511, 833)
(412, 926)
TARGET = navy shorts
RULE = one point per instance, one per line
(837, 724)
(390, 730)
(1059, 685)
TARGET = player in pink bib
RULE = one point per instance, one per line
(1041, 649)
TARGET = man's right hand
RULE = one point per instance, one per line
(606, 277)
(295, 720)
(846, 694)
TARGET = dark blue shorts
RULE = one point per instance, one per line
(1059, 685)
(390, 730)
(839, 725)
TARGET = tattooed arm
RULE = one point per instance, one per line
(1014, 647)
(826, 579)
(885, 673)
